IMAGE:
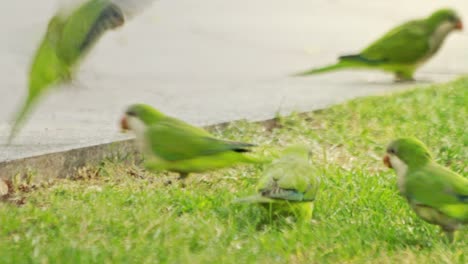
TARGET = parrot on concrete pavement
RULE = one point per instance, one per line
(171, 144)
(435, 193)
(288, 186)
(70, 35)
(403, 49)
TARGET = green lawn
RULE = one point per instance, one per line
(119, 213)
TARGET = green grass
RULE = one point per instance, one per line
(120, 213)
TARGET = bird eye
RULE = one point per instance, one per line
(131, 113)
(391, 151)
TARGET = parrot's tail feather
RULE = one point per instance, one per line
(132, 8)
(242, 147)
(463, 198)
(347, 61)
(328, 68)
(111, 17)
(350, 57)
(20, 118)
(242, 150)
(256, 159)
(253, 199)
(359, 59)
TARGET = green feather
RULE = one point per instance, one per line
(171, 141)
(171, 144)
(288, 186)
(333, 67)
(401, 50)
(85, 26)
(439, 188)
(66, 42)
(46, 70)
(437, 194)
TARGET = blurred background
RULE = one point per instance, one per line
(206, 62)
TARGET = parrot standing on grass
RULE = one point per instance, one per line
(288, 186)
(70, 35)
(437, 194)
(170, 144)
(403, 49)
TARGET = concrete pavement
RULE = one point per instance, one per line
(206, 62)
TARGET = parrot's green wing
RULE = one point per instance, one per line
(406, 44)
(46, 69)
(85, 26)
(66, 40)
(437, 187)
(293, 180)
(91, 20)
(290, 178)
(288, 186)
(174, 142)
(70, 35)
(181, 125)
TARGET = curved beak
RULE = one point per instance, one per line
(459, 25)
(386, 161)
(124, 124)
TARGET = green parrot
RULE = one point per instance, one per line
(171, 144)
(437, 194)
(288, 186)
(403, 49)
(70, 35)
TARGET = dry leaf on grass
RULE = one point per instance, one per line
(3, 188)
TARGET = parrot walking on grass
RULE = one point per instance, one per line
(437, 194)
(70, 35)
(403, 49)
(288, 186)
(170, 144)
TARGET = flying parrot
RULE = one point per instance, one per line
(288, 186)
(437, 194)
(170, 144)
(70, 35)
(403, 49)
